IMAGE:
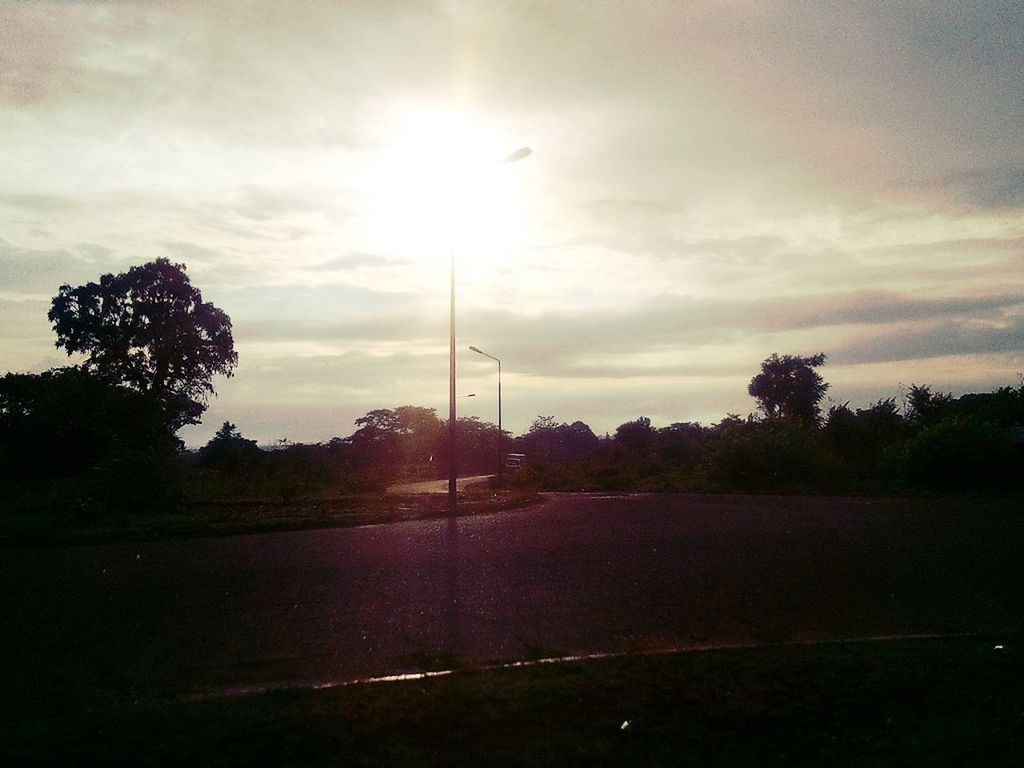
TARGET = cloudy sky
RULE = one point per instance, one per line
(710, 182)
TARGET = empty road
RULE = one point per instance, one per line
(580, 573)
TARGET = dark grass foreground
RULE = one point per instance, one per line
(910, 702)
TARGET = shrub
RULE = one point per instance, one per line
(774, 455)
(961, 454)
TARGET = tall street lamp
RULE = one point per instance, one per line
(519, 154)
(501, 433)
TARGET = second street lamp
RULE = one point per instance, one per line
(501, 433)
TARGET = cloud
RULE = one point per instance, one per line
(875, 96)
(36, 271)
(879, 308)
(657, 339)
(997, 187)
(936, 339)
(356, 260)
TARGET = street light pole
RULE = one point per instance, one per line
(519, 154)
(451, 391)
(501, 433)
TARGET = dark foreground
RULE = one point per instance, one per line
(579, 574)
(913, 702)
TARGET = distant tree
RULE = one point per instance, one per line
(376, 425)
(637, 435)
(541, 437)
(579, 439)
(388, 423)
(776, 454)
(228, 450)
(549, 441)
(476, 445)
(1004, 407)
(925, 407)
(683, 443)
(412, 419)
(968, 442)
(879, 422)
(731, 423)
(789, 387)
(399, 441)
(150, 330)
(867, 440)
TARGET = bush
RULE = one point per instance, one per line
(70, 437)
(960, 454)
(774, 455)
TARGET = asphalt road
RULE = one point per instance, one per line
(580, 573)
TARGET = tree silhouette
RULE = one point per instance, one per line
(789, 387)
(229, 450)
(925, 407)
(637, 435)
(67, 423)
(403, 440)
(149, 329)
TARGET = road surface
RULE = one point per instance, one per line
(580, 573)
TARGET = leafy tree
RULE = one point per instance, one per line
(540, 440)
(476, 445)
(560, 457)
(376, 425)
(150, 330)
(1004, 407)
(789, 387)
(682, 444)
(925, 407)
(867, 439)
(578, 438)
(407, 440)
(228, 450)
(390, 423)
(548, 441)
(637, 435)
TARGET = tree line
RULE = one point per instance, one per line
(930, 441)
(103, 433)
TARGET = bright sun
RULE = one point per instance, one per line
(439, 182)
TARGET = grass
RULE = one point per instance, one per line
(41, 525)
(909, 702)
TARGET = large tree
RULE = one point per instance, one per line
(150, 330)
(789, 387)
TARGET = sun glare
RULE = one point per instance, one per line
(439, 182)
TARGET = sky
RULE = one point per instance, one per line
(710, 183)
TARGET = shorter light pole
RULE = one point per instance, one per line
(501, 434)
